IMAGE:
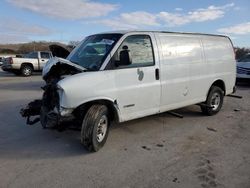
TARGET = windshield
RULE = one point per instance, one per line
(92, 51)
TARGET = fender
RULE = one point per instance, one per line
(218, 82)
(103, 100)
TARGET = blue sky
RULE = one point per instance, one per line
(64, 20)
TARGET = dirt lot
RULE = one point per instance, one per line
(157, 151)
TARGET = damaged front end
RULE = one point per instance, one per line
(48, 110)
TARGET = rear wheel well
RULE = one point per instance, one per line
(29, 64)
(220, 84)
(81, 110)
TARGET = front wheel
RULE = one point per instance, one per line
(95, 127)
(214, 101)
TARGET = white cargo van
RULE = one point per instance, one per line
(121, 76)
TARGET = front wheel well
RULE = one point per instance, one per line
(81, 110)
(220, 84)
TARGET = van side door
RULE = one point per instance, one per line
(137, 84)
(174, 71)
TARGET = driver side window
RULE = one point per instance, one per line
(136, 50)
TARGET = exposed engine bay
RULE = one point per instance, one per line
(47, 109)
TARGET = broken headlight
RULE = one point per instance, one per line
(62, 110)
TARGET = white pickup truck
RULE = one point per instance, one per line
(33, 61)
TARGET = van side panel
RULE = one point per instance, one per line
(190, 64)
(173, 72)
(220, 60)
(183, 70)
(190, 51)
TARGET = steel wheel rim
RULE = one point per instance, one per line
(215, 101)
(26, 71)
(102, 128)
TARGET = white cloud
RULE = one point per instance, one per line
(10, 39)
(199, 15)
(172, 19)
(202, 15)
(12, 26)
(17, 31)
(136, 20)
(179, 9)
(237, 8)
(116, 24)
(65, 9)
(132, 20)
(240, 29)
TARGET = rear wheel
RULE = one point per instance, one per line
(95, 127)
(26, 70)
(214, 101)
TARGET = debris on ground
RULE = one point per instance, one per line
(146, 148)
(159, 145)
(211, 129)
(175, 180)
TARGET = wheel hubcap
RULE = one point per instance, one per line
(102, 128)
(215, 101)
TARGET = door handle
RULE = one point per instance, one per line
(157, 74)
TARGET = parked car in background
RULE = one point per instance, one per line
(1, 61)
(33, 61)
(243, 68)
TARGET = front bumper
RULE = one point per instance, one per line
(6, 67)
(49, 119)
(54, 119)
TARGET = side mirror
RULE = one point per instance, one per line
(125, 58)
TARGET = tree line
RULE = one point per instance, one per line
(31, 46)
(241, 52)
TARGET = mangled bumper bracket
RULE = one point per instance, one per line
(52, 119)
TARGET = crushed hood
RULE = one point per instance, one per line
(60, 66)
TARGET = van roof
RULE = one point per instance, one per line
(190, 33)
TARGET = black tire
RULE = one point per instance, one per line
(214, 101)
(26, 70)
(91, 126)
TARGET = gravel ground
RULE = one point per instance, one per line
(156, 151)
